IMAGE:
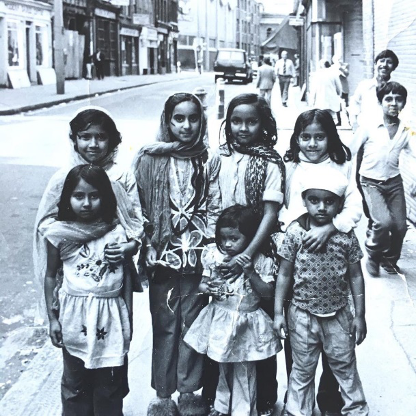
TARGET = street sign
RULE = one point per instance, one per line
(295, 21)
(141, 19)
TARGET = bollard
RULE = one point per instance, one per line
(202, 95)
(220, 98)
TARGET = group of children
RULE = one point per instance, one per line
(241, 251)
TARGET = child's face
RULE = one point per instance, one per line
(392, 104)
(313, 142)
(232, 241)
(85, 202)
(93, 143)
(384, 67)
(185, 122)
(245, 124)
(321, 205)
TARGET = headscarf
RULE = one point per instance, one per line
(48, 209)
(151, 168)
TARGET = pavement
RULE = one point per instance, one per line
(15, 101)
(386, 359)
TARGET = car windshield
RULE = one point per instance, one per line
(230, 56)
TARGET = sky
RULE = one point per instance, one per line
(278, 6)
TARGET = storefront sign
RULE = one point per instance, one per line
(141, 19)
(105, 13)
(149, 33)
(25, 10)
(120, 2)
(125, 31)
(293, 21)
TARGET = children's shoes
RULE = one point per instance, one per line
(373, 267)
(190, 404)
(162, 407)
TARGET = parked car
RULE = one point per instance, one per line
(231, 64)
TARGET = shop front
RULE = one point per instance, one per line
(129, 40)
(106, 39)
(148, 48)
(26, 52)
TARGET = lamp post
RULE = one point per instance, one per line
(58, 46)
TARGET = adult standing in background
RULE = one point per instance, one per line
(326, 89)
(265, 80)
(297, 70)
(342, 69)
(99, 59)
(285, 70)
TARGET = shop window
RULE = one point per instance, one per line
(41, 46)
(13, 44)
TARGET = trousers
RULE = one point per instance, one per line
(174, 305)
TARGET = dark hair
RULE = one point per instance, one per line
(267, 121)
(83, 120)
(327, 64)
(242, 218)
(387, 53)
(337, 150)
(267, 61)
(96, 177)
(391, 87)
(176, 99)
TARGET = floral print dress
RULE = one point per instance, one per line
(188, 219)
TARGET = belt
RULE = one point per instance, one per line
(378, 182)
(109, 294)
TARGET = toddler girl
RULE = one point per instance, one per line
(233, 330)
(93, 326)
(177, 189)
(252, 174)
(315, 144)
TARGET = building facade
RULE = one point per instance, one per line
(207, 25)
(25, 42)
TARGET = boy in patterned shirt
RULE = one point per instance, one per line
(319, 316)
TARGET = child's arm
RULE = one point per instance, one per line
(284, 280)
(261, 287)
(358, 327)
(118, 252)
(53, 262)
(128, 297)
(232, 269)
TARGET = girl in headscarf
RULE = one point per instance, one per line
(179, 195)
(94, 140)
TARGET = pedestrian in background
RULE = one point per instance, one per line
(233, 330)
(285, 71)
(266, 78)
(383, 140)
(341, 68)
(314, 145)
(180, 201)
(99, 60)
(251, 174)
(319, 316)
(326, 89)
(297, 70)
(93, 327)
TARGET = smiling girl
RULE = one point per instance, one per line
(178, 193)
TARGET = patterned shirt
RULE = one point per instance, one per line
(321, 284)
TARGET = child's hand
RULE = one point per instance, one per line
(245, 262)
(55, 332)
(116, 253)
(359, 329)
(280, 326)
(231, 270)
(315, 239)
(151, 257)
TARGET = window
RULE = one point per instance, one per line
(41, 47)
(13, 44)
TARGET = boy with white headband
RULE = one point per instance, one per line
(319, 317)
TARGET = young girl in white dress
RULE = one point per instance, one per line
(233, 330)
(93, 327)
